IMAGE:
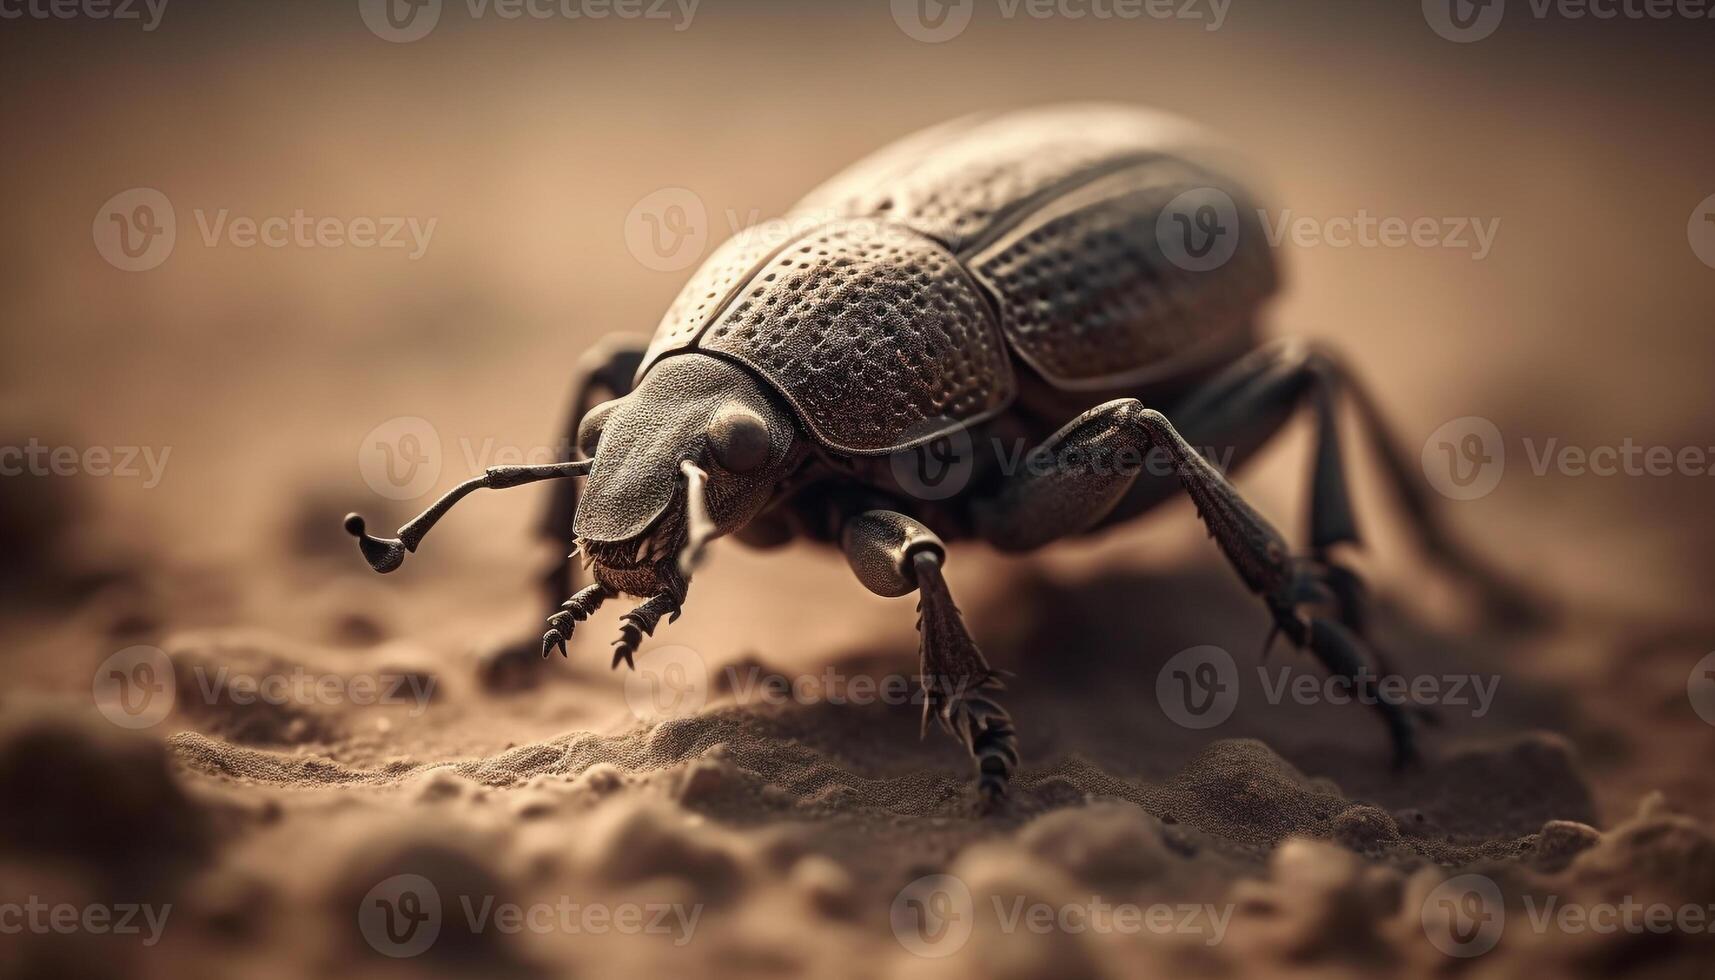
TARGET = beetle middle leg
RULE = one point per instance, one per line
(1097, 457)
(894, 555)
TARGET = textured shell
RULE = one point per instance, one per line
(881, 307)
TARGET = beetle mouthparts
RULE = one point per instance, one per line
(382, 554)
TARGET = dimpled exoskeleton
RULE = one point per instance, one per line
(868, 371)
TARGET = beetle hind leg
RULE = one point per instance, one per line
(1264, 388)
(1090, 475)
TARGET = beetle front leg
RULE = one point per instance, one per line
(1096, 458)
(641, 622)
(572, 612)
(894, 555)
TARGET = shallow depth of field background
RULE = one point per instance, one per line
(545, 152)
(529, 142)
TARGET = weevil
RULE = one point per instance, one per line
(1086, 279)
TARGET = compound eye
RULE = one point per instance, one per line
(739, 438)
(589, 430)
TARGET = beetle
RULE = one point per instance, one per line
(1085, 279)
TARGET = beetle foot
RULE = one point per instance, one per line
(560, 627)
(958, 682)
(630, 637)
(980, 724)
(641, 622)
(572, 612)
(1341, 654)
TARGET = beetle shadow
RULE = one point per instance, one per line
(1087, 655)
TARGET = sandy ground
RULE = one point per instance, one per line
(299, 834)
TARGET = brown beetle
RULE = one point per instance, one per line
(1085, 279)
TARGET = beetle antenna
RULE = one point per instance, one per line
(386, 554)
(699, 527)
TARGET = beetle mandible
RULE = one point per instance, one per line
(1086, 279)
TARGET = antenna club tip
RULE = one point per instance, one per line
(354, 525)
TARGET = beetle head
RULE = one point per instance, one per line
(689, 407)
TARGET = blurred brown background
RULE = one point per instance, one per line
(528, 142)
(541, 149)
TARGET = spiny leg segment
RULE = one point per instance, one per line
(572, 612)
